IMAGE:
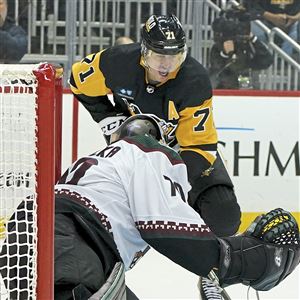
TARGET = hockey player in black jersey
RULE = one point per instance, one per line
(114, 204)
(159, 77)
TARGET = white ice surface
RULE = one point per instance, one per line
(156, 277)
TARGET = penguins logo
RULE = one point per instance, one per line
(167, 127)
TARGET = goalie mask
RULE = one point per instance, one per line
(141, 124)
(163, 43)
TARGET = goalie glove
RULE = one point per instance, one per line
(266, 253)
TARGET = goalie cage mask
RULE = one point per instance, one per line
(141, 124)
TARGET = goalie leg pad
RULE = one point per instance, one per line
(114, 288)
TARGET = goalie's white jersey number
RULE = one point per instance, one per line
(80, 167)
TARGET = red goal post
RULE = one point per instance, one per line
(30, 160)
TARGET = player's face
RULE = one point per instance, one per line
(161, 65)
(157, 76)
(3, 11)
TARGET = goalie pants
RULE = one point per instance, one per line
(85, 253)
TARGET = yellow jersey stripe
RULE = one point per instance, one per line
(207, 155)
(196, 126)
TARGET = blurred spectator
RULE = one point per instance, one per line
(18, 11)
(236, 52)
(123, 40)
(13, 38)
(284, 14)
(172, 7)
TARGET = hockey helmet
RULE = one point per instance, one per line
(163, 42)
(140, 124)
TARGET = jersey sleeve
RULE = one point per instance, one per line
(88, 84)
(157, 193)
(87, 77)
(196, 130)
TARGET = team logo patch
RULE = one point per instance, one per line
(150, 23)
(168, 127)
(207, 172)
(150, 89)
(126, 92)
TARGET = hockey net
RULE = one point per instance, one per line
(30, 101)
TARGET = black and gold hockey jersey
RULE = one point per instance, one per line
(184, 101)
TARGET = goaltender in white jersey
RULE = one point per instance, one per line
(111, 206)
(137, 186)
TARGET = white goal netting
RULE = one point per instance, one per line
(18, 173)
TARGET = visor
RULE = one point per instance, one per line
(164, 63)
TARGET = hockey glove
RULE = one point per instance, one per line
(266, 253)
